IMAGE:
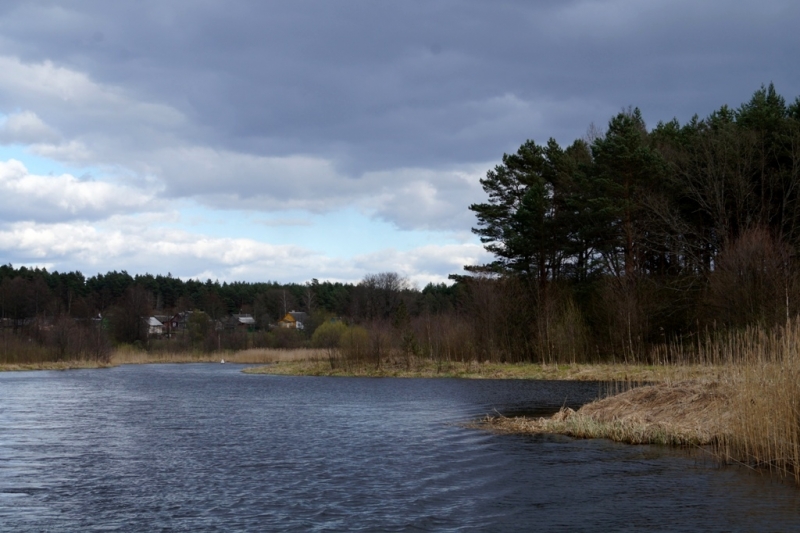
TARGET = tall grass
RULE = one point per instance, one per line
(129, 355)
(759, 368)
(763, 369)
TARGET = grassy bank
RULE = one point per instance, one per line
(747, 409)
(253, 356)
(130, 356)
(687, 413)
(425, 368)
(53, 365)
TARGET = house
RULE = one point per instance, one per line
(178, 321)
(154, 326)
(293, 319)
(243, 321)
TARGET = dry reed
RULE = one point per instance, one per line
(687, 413)
(746, 404)
(765, 374)
(127, 355)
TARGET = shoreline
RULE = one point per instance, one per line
(127, 356)
(677, 405)
(608, 372)
(277, 362)
(687, 413)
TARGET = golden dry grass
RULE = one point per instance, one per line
(399, 367)
(746, 405)
(270, 355)
(53, 365)
(667, 413)
(765, 430)
(127, 356)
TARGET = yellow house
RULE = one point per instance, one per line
(293, 319)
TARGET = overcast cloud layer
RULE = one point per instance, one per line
(333, 138)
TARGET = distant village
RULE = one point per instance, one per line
(166, 326)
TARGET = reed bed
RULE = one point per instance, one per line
(258, 356)
(745, 405)
(764, 430)
(129, 355)
(71, 364)
(619, 374)
(687, 413)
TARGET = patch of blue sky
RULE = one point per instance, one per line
(43, 166)
(340, 234)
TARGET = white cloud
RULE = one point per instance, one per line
(127, 243)
(430, 263)
(284, 222)
(26, 196)
(26, 128)
(416, 198)
(90, 123)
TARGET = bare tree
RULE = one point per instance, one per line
(379, 295)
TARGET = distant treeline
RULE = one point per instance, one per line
(58, 312)
(621, 242)
(26, 293)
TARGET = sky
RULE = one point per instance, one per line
(283, 141)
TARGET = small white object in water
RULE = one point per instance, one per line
(223, 361)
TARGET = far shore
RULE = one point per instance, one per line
(610, 372)
(312, 362)
(130, 356)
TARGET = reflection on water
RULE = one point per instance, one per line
(206, 448)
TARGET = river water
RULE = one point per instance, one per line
(206, 448)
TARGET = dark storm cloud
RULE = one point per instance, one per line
(378, 86)
(399, 83)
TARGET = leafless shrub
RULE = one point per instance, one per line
(753, 283)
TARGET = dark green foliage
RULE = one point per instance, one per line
(656, 234)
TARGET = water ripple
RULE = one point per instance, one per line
(205, 448)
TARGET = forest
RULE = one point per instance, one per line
(628, 239)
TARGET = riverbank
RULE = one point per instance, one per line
(130, 356)
(53, 365)
(685, 413)
(422, 368)
(649, 404)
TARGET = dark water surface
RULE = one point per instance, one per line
(207, 448)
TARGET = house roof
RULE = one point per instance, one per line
(153, 322)
(294, 316)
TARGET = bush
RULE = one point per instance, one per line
(354, 343)
(287, 338)
(327, 336)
